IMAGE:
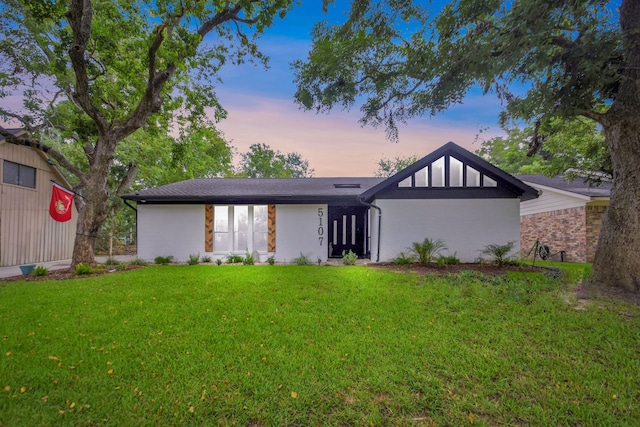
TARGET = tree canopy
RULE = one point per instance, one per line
(263, 162)
(545, 59)
(122, 68)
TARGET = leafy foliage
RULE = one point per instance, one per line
(428, 250)
(234, 259)
(194, 259)
(263, 162)
(302, 260)
(448, 259)
(83, 269)
(163, 260)
(349, 258)
(249, 259)
(205, 258)
(390, 166)
(40, 270)
(403, 259)
(499, 254)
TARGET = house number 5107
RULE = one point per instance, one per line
(320, 225)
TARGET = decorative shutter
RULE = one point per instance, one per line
(271, 237)
(208, 228)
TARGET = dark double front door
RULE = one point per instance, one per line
(347, 230)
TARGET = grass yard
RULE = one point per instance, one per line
(292, 345)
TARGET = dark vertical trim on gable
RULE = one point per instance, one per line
(271, 221)
(208, 228)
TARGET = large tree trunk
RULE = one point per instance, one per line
(617, 260)
(94, 208)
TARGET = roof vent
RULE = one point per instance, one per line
(346, 185)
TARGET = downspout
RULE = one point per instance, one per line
(369, 205)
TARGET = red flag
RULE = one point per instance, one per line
(61, 200)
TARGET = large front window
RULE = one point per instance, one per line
(240, 228)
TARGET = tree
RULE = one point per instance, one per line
(544, 59)
(571, 148)
(262, 162)
(123, 66)
(388, 166)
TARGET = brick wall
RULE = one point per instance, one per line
(595, 215)
(564, 229)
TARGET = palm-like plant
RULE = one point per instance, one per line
(428, 251)
(499, 253)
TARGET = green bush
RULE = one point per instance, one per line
(449, 259)
(402, 259)
(349, 258)
(40, 270)
(163, 260)
(302, 260)
(234, 259)
(194, 259)
(271, 260)
(83, 269)
(218, 261)
(138, 261)
(499, 254)
(205, 258)
(428, 250)
(111, 261)
(249, 259)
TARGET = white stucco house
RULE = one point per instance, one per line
(450, 194)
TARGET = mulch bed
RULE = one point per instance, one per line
(67, 273)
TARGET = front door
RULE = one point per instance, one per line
(347, 230)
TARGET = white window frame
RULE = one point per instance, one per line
(231, 232)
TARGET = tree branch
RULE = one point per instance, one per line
(132, 171)
(80, 16)
(57, 156)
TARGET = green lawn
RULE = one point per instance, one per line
(292, 345)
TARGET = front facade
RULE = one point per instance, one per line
(28, 235)
(451, 194)
(567, 217)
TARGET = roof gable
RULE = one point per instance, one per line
(453, 168)
(579, 186)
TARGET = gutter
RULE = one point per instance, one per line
(369, 205)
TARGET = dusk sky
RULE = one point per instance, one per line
(262, 110)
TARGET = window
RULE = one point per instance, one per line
(240, 228)
(17, 174)
(405, 182)
(221, 228)
(437, 173)
(488, 182)
(473, 177)
(260, 228)
(422, 177)
(455, 172)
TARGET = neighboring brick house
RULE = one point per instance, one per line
(566, 217)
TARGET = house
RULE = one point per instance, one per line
(28, 235)
(566, 217)
(450, 194)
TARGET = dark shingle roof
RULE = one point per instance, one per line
(256, 190)
(577, 186)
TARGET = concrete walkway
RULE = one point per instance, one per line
(14, 270)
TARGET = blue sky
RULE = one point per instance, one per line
(261, 110)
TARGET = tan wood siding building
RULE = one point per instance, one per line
(28, 235)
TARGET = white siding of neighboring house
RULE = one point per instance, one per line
(466, 225)
(550, 201)
(170, 230)
(297, 232)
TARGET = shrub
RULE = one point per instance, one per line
(499, 254)
(218, 261)
(302, 260)
(163, 260)
(138, 261)
(83, 269)
(249, 259)
(449, 259)
(205, 258)
(194, 259)
(349, 258)
(234, 259)
(427, 251)
(40, 270)
(402, 259)
(271, 260)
